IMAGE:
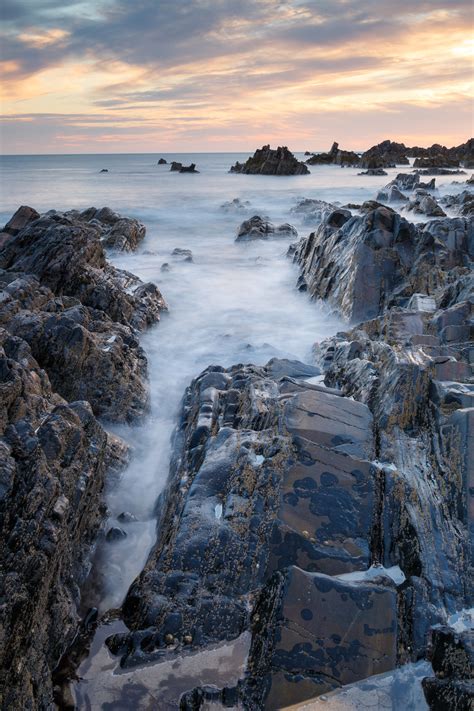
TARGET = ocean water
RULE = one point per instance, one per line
(235, 303)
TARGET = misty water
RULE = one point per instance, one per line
(234, 303)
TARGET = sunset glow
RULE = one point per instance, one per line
(217, 75)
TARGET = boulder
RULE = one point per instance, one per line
(175, 166)
(258, 228)
(391, 193)
(184, 255)
(162, 161)
(267, 161)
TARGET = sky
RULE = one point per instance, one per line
(87, 76)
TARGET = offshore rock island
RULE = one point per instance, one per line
(315, 527)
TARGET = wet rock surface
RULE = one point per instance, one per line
(54, 458)
(268, 161)
(69, 351)
(259, 228)
(79, 314)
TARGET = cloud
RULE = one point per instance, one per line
(163, 62)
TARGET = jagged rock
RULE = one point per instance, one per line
(115, 231)
(54, 457)
(336, 156)
(362, 265)
(374, 171)
(437, 154)
(436, 161)
(175, 166)
(462, 204)
(440, 171)
(258, 228)
(313, 211)
(266, 161)
(104, 170)
(387, 154)
(391, 193)
(188, 168)
(68, 257)
(162, 161)
(452, 658)
(423, 203)
(470, 181)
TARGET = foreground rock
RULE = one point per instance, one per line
(422, 203)
(267, 161)
(258, 228)
(54, 458)
(115, 231)
(335, 156)
(461, 204)
(79, 315)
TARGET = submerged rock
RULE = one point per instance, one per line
(235, 206)
(175, 166)
(188, 168)
(259, 228)
(162, 161)
(267, 161)
(184, 255)
(374, 171)
(313, 211)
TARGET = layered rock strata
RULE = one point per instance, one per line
(69, 351)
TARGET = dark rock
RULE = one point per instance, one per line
(436, 161)
(175, 166)
(115, 534)
(335, 156)
(188, 168)
(391, 193)
(440, 171)
(387, 154)
(258, 228)
(162, 161)
(266, 161)
(165, 267)
(68, 257)
(104, 170)
(363, 265)
(53, 463)
(115, 231)
(374, 171)
(126, 517)
(452, 658)
(462, 204)
(423, 203)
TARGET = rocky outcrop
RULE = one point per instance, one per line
(67, 256)
(175, 166)
(422, 203)
(335, 156)
(461, 204)
(258, 228)
(391, 193)
(69, 351)
(387, 154)
(191, 168)
(162, 161)
(364, 265)
(54, 458)
(267, 161)
(437, 156)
